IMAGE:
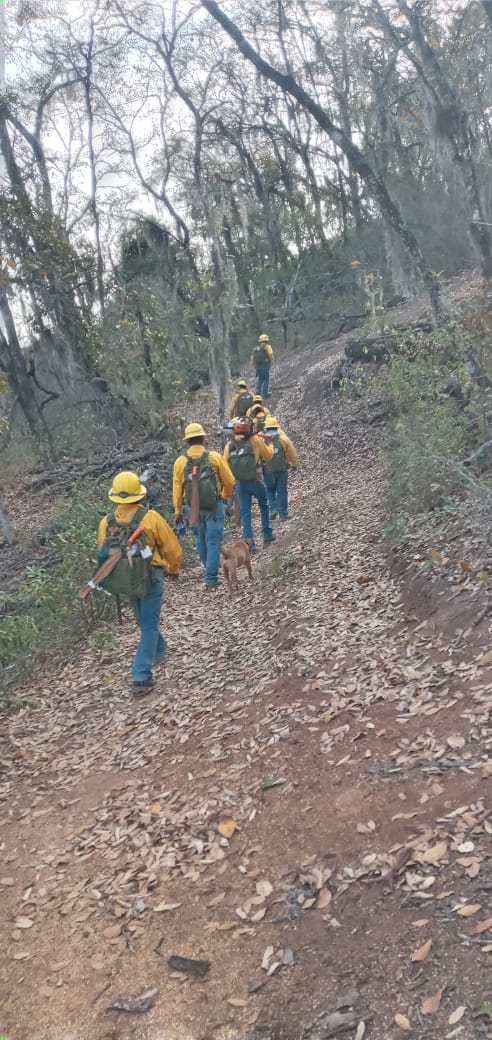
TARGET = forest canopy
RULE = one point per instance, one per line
(177, 177)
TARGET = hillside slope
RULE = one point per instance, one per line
(301, 802)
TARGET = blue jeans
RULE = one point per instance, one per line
(262, 378)
(152, 645)
(246, 490)
(207, 531)
(276, 485)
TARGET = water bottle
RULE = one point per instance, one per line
(180, 528)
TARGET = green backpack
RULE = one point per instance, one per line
(279, 462)
(243, 403)
(260, 354)
(242, 460)
(133, 574)
(207, 482)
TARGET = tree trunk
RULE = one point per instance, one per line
(6, 525)
(13, 363)
(147, 356)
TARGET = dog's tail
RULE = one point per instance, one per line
(221, 549)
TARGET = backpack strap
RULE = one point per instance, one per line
(132, 524)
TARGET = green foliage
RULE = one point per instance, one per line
(102, 640)
(16, 458)
(435, 428)
(45, 613)
(283, 566)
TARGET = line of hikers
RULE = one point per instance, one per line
(254, 465)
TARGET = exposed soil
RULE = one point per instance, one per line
(310, 776)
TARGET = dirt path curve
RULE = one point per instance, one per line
(301, 802)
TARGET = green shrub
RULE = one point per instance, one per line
(45, 613)
(434, 430)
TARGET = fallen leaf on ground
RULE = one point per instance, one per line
(165, 907)
(264, 888)
(432, 1004)
(237, 1002)
(483, 926)
(359, 1033)
(7, 882)
(469, 909)
(402, 1022)
(23, 922)
(324, 899)
(457, 1015)
(216, 900)
(156, 808)
(336, 1021)
(259, 915)
(422, 953)
(112, 932)
(134, 1004)
(227, 827)
(455, 741)
(434, 854)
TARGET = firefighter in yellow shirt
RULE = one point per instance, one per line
(261, 361)
(245, 454)
(241, 401)
(276, 470)
(164, 555)
(215, 486)
(258, 413)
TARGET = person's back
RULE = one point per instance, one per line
(245, 454)
(261, 361)
(241, 401)
(149, 548)
(209, 473)
(277, 468)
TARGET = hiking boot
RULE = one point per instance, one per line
(284, 518)
(212, 588)
(266, 541)
(273, 516)
(141, 687)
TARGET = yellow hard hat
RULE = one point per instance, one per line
(271, 423)
(241, 384)
(194, 429)
(257, 399)
(127, 488)
(263, 338)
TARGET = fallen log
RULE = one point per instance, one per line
(65, 479)
(378, 348)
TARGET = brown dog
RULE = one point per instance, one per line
(233, 557)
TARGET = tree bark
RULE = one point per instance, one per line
(13, 363)
(6, 525)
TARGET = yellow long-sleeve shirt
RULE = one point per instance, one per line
(235, 399)
(263, 451)
(257, 413)
(225, 479)
(290, 451)
(269, 352)
(167, 551)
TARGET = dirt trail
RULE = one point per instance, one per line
(345, 740)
